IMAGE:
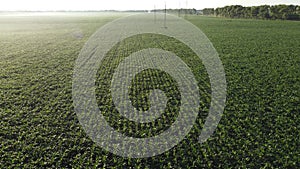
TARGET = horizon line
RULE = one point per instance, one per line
(127, 10)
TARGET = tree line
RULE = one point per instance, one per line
(284, 12)
(181, 11)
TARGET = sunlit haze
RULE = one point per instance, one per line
(81, 5)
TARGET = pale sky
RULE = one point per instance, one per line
(44, 5)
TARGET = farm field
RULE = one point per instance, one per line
(39, 128)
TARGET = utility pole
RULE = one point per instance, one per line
(186, 8)
(165, 20)
(179, 9)
(154, 14)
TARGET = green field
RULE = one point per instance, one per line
(39, 128)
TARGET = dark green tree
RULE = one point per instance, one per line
(264, 12)
(208, 11)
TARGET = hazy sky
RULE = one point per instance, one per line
(128, 4)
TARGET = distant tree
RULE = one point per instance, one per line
(238, 11)
(289, 12)
(226, 11)
(192, 11)
(218, 11)
(208, 11)
(247, 12)
(254, 11)
(292, 13)
(298, 10)
(264, 12)
(282, 11)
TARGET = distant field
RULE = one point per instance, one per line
(39, 128)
